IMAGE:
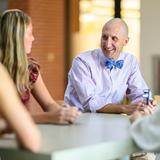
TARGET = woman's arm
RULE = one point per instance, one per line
(53, 112)
(16, 115)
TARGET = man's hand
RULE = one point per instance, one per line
(129, 109)
(143, 110)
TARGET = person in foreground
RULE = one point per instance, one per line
(14, 115)
(145, 130)
(15, 46)
(99, 79)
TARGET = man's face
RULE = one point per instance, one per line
(113, 39)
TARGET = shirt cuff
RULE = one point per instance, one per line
(96, 104)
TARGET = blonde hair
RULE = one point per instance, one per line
(13, 24)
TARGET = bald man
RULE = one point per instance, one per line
(99, 79)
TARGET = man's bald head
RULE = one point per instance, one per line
(119, 23)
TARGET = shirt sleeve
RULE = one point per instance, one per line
(145, 132)
(136, 83)
(80, 76)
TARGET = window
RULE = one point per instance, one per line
(94, 13)
(130, 12)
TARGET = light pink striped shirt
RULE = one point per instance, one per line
(91, 85)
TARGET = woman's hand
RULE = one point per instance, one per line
(64, 115)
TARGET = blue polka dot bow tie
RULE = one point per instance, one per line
(110, 63)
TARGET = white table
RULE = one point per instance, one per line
(94, 136)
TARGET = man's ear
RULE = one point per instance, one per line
(126, 40)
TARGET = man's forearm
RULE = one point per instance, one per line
(110, 108)
(115, 108)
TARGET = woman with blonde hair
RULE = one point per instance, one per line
(12, 112)
(15, 45)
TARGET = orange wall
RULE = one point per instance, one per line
(48, 48)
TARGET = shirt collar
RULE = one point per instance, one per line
(103, 58)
